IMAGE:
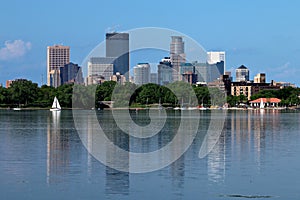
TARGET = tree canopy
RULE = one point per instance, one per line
(24, 93)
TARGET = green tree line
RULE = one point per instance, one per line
(25, 93)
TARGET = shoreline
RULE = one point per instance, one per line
(156, 108)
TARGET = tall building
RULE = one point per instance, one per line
(141, 73)
(117, 46)
(214, 57)
(71, 73)
(208, 72)
(57, 56)
(260, 78)
(100, 66)
(165, 71)
(153, 78)
(177, 55)
(242, 74)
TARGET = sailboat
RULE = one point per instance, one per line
(55, 105)
(261, 106)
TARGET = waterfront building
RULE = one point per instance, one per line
(267, 102)
(249, 88)
(242, 74)
(57, 56)
(141, 73)
(165, 71)
(177, 55)
(71, 73)
(117, 46)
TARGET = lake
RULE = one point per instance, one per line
(43, 156)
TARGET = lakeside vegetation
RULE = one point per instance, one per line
(24, 93)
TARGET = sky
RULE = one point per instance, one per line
(263, 35)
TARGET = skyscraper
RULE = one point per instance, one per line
(71, 73)
(165, 71)
(100, 66)
(208, 72)
(177, 55)
(214, 57)
(142, 73)
(117, 46)
(242, 74)
(57, 56)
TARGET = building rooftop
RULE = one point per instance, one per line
(266, 100)
(242, 67)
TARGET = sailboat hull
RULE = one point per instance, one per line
(55, 109)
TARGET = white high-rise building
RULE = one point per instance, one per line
(214, 57)
(57, 56)
(141, 73)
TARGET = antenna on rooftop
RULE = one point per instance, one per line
(112, 29)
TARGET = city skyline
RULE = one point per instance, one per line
(266, 41)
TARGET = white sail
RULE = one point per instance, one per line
(55, 104)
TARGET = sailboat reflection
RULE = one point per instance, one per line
(57, 149)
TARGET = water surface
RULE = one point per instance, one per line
(257, 155)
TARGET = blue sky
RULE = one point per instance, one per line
(263, 35)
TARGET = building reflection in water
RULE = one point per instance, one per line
(116, 182)
(177, 169)
(58, 150)
(216, 159)
(243, 138)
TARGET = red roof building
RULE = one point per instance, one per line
(267, 102)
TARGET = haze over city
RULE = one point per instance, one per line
(262, 35)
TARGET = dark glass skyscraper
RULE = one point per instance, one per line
(71, 73)
(117, 45)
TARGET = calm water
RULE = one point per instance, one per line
(257, 154)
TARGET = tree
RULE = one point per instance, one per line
(64, 94)
(105, 90)
(3, 95)
(202, 94)
(23, 92)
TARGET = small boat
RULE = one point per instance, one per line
(202, 108)
(55, 105)
(17, 109)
